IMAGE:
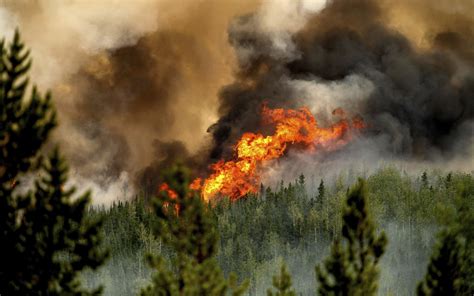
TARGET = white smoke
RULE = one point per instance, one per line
(280, 19)
(112, 190)
(322, 97)
(62, 34)
(7, 21)
(275, 21)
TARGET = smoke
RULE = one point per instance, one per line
(414, 88)
(127, 76)
(138, 83)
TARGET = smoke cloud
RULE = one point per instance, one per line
(127, 76)
(413, 88)
(141, 84)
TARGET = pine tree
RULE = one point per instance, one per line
(188, 227)
(424, 180)
(451, 271)
(45, 238)
(446, 270)
(282, 284)
(449, 180)
(302, 180)
(351, 268)
(321, 192)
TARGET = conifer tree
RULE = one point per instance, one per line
(188, 227)
(451, 271)
(424, 180)
(282, 284)
(446, 270)
(45, 238)
(351, 269)
(302, 180)
(321, 192)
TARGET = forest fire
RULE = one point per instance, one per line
(171, 193)
(236, 178)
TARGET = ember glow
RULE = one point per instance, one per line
(171, 193)
(236, 178)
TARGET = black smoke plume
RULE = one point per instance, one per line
(422, 102)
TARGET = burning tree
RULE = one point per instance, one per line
(45, 237)
(236, 178)
(352, 267)
(188, 227)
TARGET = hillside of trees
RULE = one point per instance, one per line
(296, 225)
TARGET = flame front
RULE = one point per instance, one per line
(236, 178)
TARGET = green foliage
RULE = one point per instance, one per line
(188, 227)
(46, 237)
(352, 267)
(24, 124)
(451, 271)
(282, 284)
(257, 233)
(446, 270)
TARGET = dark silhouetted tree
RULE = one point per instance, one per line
(446, 270)
(424, 180)
(451, 271)
(321, 192)
(351, 269)
(282, 284)
(302, 180)
(188, 227)
(45, 237)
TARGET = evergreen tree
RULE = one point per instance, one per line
(352, 267)
(45, 238)
(463, 225)
(451, 271)
(424, 180)
(446, 270)
(321, 192)
(449, 179)
(282, 284)
(188, 227)
(302, 180)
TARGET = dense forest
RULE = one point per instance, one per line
(295, 223)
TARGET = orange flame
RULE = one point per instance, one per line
(196, 184)
(166, 188)
(236, 178)
(171, 194)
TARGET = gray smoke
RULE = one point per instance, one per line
(138, 83)
(127, 76)
(416, 99)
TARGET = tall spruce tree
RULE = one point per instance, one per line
(321, 192)
(45, 238)
(188, 227)
(451, 268)
(446, 273)
(351, 269)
